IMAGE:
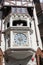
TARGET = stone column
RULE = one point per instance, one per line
(11, 33)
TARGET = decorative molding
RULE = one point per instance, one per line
(18, 3)
(19, 29)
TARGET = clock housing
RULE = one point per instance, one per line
(20, 39)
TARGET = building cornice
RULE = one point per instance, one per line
(18, 29)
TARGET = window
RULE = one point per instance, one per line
(14, 10)
(8, 24)
(24, 10)
(19, 23)
(19, 10)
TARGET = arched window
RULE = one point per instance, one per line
(8, 24)
(19, 23)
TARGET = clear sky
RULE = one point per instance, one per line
(41, 0)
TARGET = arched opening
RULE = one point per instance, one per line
(19, 23)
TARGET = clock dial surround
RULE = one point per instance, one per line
(20, 38)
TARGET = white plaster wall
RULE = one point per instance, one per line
(0, 24)
(33, 37)
(2, 38)
(37, 28)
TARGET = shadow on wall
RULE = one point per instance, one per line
(39, 12)
(12, 61)
(6, 11)
(38, 6)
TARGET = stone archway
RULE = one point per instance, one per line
(1, 57)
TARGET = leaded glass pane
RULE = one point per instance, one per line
(14, 10)
(24, 10)
(19, 10)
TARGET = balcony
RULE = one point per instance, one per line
(23, 3)
(19, 54)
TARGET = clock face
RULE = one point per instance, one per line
(20, 38)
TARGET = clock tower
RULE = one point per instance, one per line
(20, 35)
(18, 32)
